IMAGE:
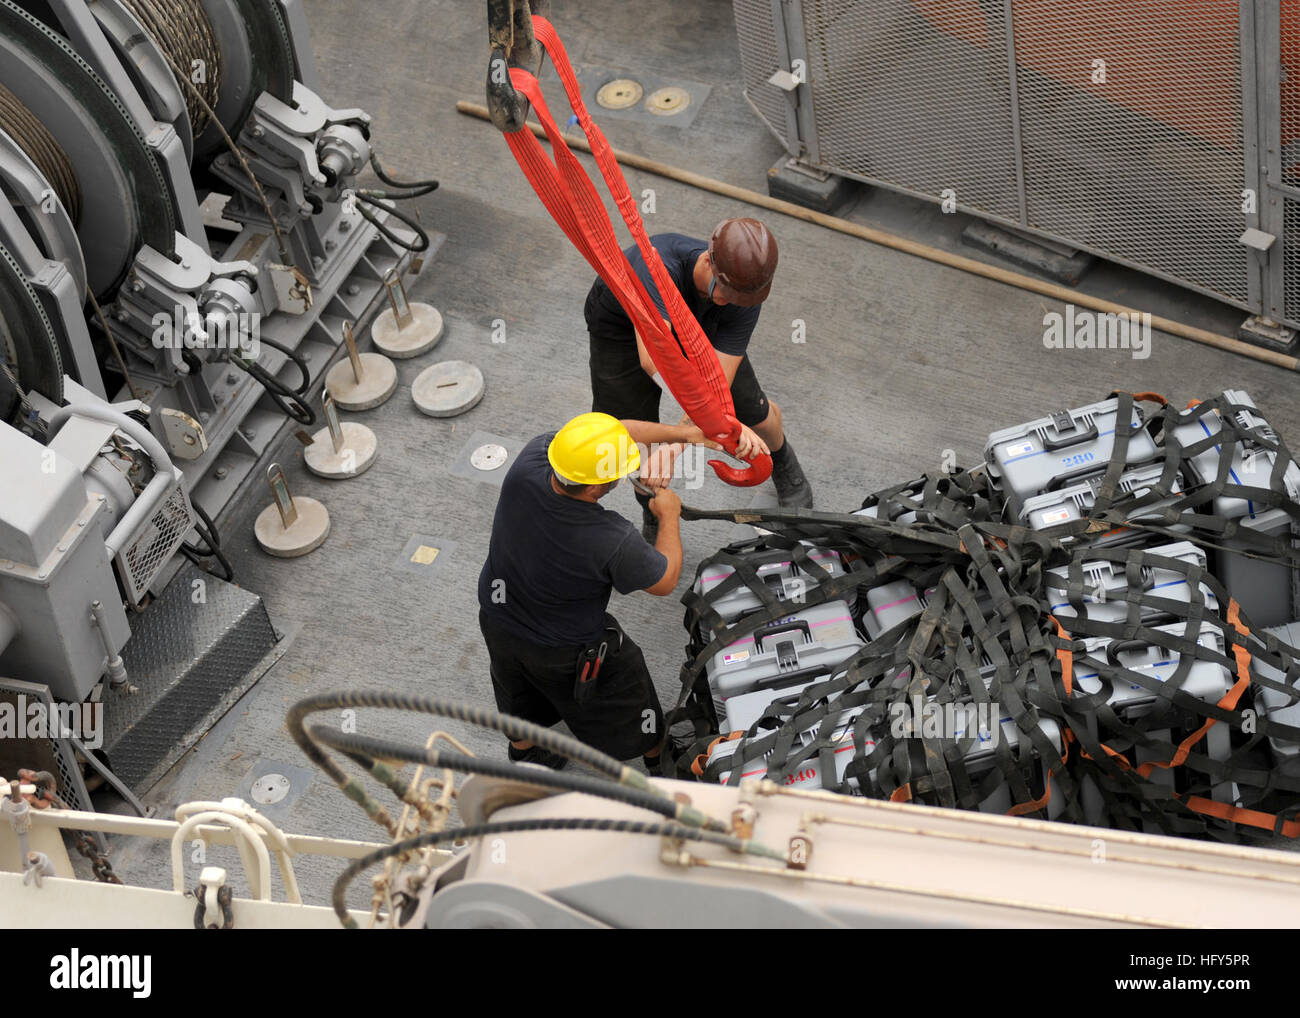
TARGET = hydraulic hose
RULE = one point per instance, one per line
(366, 750)
(414, 188)
(515, 729)
(422, 238)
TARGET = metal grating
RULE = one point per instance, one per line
(759, 60)
(1146, 166)
(190, 662)
(138, 563)
(1289, 104)
(916, 96)
(53, 754)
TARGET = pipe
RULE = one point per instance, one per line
(912, 247)
(116, 669)
(160, 485)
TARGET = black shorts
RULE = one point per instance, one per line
(622, 389)
(623, 716)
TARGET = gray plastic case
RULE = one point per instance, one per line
(1105, 583)
(1054, 508)
(1252, 464)
(1055, 451)
(806, 645)
(775, 568)
(1276, 706)
(1268, 592)
(1205, 680)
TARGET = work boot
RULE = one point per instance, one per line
(792, 488)
(649, 525)
(539, 756)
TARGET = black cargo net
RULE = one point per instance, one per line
(1043, 673)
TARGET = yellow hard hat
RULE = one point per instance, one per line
(593, 449)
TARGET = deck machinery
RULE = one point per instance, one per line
(180, 246)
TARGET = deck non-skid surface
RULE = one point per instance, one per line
(903, 360)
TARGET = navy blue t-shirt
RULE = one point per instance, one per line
(728, 326)
(552, 560)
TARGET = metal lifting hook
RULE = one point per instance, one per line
(758, 470)
(513, 44)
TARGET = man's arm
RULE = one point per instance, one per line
(730, 365)
(667, 508)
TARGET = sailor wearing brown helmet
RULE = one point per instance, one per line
(724, 282)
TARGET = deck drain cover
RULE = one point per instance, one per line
(619, 94)
(669, 100)
(488, 457)
(270, 789)
(447, 389)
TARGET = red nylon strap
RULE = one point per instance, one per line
(688, 362)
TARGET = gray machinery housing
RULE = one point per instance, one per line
(177, 218)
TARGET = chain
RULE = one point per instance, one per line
(84, 843)
(98, 860)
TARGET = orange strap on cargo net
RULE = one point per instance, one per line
(698, 764)
(686, 360)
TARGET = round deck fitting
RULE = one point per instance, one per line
(488, 457)
(270, 789)
(447, 388)
(359, 449)
(667, 101)
(307, 533)
(422, 333)
(378, 382)
(619, 94)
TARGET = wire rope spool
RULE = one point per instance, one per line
(148, 66)
(29, 351)
(124, 202)
(47, 222)
(17, 121)
(256, 56)
(181, 29)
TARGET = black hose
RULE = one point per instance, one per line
(417, 188)
(281, 395)
(422, 241)
(515, 729)
(365, 750)
(671, 830)
(298, 362)
(207, 530)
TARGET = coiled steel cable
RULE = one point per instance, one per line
(41, 147)
(181, 29)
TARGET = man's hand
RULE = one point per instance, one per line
(666, 504)
(750, 445)
(657, 467)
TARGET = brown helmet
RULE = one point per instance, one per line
(743, 253)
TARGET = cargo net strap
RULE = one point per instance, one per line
(987, 646)
(682, 354)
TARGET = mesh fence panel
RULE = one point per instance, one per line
(915, 95)
(759, 59)
(1141, 159)
(1289, 101)
(1146, 165)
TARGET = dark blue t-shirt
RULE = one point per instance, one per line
(727, 326)
(552, 560)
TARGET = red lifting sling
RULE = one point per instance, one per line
(687, 361)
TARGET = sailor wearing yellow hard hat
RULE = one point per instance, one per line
(554, 556)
